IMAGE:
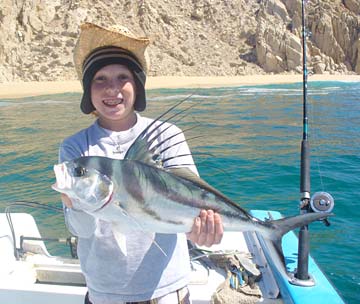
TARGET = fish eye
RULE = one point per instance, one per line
(79, 171)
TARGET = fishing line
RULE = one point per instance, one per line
(317, 147)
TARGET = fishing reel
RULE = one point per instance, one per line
(322, 202)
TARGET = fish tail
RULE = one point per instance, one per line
(282, 226)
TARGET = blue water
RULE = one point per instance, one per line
(249, 149)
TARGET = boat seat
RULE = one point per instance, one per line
(24, 225)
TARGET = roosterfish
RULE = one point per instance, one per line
(140, 193)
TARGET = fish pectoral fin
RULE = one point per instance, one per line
(120, 239)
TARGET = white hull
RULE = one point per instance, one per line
(24, 281)
(39, 278)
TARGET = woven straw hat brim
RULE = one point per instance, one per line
(93, 37)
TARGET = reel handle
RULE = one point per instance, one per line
(322, 202)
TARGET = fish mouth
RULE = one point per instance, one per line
(60, 175)
(56, 187)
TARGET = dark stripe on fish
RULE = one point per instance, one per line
(156, 216)
(160, 186)
(98, 163)
(132, 184)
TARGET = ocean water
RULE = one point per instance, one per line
(246, 143)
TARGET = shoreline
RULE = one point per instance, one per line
(25, 89)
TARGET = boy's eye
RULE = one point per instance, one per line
(100, 78)
(123, 77)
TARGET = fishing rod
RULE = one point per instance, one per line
(320, 201)
(303, 248)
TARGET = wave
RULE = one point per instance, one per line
(14, 103)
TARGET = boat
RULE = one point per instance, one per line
(30, 274)
(244, 268)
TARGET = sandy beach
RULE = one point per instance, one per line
(21, 89)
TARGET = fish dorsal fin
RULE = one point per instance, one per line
(189, 175)
(144, 148)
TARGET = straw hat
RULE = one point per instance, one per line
(94, 39)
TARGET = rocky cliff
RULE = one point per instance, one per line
(189, 37)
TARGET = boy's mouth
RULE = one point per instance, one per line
(113, 102)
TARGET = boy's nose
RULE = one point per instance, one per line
(113, 88)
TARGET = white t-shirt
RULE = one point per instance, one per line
(145, 272)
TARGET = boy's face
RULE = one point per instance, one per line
(113, 94)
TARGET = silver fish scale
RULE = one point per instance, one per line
(160, 197)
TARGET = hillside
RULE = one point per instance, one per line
(189, 38)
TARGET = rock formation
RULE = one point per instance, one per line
(190, 38)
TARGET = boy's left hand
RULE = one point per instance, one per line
(207, 229)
